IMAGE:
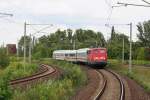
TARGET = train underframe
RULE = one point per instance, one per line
(100, 64)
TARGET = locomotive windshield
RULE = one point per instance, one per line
(99, 50)
(102, 51)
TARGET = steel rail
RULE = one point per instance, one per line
(97, 97)
(33, 77)
(122, 87)
(43, 69)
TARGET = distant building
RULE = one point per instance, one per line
(11, 49)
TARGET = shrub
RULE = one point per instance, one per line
(61, 89)
(141, 54)
(5, 91)
(139, 74)
(18, 70)
(4, 59)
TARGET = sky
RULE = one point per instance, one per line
(63, 14)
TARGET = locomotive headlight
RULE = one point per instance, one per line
(96, 58)
(102, 58)
(99, 58)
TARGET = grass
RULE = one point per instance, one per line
(134, 62)
(18, 70)
(13, 71)
(140, 74)
(60, 89)
(1, 71)
(141, 62)
(52, 90)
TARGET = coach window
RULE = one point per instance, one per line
(72, 55)
(66, 55)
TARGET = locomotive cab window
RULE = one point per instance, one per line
(96, 50)
(88, 52)
(102, 51)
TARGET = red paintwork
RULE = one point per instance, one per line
(97, 55)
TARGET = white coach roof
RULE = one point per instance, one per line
(64, 51)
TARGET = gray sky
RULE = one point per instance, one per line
(91, 14)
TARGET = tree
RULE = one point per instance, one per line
(100, 40)
(141, 54)
(88, 38)
(112, 33)
(144, 33)
(64, 40)
(70, 38)
(21, 44)
(115, 45)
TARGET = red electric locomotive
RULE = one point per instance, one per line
(92, 56)
(97, 56)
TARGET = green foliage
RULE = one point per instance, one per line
(115, 45)
(13, 71)
(52, 90)
(141, 54)
(72, 71)
(18, 70)
(61, 89)
(4, 59)
(21, 44)
(141, 62)
(139, 73)
(5, 91)
(144, 33)
(66, 40)
(88, 38)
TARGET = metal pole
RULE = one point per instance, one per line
(74, 44)
(33, 43)
(18, 50)
(24, 43)
(7, 50)
(130, 58)
(123, 51)
(30, 44)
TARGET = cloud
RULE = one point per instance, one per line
(68, 13)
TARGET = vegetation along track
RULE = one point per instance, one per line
(113, 87)
(44, 71)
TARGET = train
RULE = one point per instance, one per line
(91, 56)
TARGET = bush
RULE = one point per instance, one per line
(18, 70)
(141, 54)
(52, 90)
(61, 89)
(5, 91)
(4, 59)
(139, 74)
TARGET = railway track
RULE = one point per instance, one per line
(45, 71)
(113, 87)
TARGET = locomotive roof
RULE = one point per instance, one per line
(90, 48)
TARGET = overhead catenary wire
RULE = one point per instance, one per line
(6, 14)
(146, 2)
(109, 16)
(130, 4)
(40, 31)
